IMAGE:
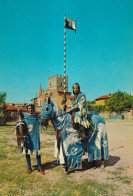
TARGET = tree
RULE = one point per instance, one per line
(120, 101)
(2, 98)
(89, 105)
(91, 102)
(99, 108)
(96, 108)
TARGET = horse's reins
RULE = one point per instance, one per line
(53, 117)
(63, 115)
(89, 122)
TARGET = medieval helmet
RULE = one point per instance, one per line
(76, 85)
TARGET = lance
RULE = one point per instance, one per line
(69, 24)
(64, 99)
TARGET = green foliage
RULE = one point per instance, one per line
(99, 108)
(96, 108)
(2, 97)
(120, 101)
(90, 102)
(89, 107)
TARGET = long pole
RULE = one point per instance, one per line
(64, 100)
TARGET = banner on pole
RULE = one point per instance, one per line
(70, 24)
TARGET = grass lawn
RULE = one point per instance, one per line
(15, 181)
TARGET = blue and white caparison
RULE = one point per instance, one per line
(69, 147)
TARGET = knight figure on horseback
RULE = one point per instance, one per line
(78, 112)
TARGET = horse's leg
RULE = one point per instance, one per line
(102, 163)
(59, 151)
(66, 170)
(85, 150)
(104, 147)
(60, 155)
(19, 142)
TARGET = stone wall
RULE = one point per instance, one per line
(127, 115)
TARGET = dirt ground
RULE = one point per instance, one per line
(120, 137)
(119, 167)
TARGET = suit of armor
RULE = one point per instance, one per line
(79, 102)
(79, 115)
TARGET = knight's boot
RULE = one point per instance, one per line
(73, 124)
(82, 133)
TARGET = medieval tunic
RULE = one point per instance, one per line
(79, 101)
(32, 144)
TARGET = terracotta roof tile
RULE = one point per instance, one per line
(103, 97)
(12, 108)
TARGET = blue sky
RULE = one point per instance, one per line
(99, 56)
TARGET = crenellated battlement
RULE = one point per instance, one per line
(57, 76)
(56, 82)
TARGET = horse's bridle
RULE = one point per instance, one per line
(21, 123)
(53, 117)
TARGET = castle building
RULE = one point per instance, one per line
(55, 90)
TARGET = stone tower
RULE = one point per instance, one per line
(57, 83)
(55, 88)
(39, 91)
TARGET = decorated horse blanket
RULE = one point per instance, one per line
(73, 147)
(69, 145)
(97, 146)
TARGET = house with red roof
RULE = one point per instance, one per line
(101, 100)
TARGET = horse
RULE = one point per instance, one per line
(21, 132)
(70, 147)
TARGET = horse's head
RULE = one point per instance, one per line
(46, 112)
(21, 129)
(21, 133)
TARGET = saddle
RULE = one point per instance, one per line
(83, 132)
